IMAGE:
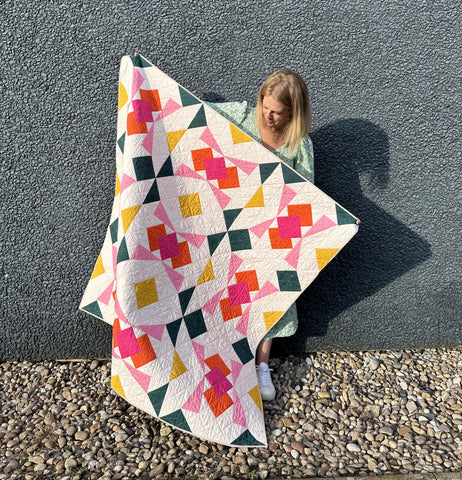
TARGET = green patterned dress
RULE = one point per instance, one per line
(302, 161)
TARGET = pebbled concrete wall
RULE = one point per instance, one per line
(384, 83)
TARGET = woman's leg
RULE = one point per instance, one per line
(267, 390)
(263, 351)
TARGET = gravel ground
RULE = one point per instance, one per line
(335, 414)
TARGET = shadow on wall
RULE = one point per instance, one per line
(381, 251)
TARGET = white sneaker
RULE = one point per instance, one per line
(267, 390)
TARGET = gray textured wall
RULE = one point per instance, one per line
(383, 77)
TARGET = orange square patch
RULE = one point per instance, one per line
(249, 277)
(228, 312)
(218, 405)
(302, 211)
(184, 258)
(232, 181)
(276, 241)
(199, 156)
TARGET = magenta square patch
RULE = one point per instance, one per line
(128, 345)
(168, 246)
(239, 294)
(218, 381)
(215, 168)
(142, 110)
(289, 227)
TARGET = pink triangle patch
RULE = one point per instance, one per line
(221, 197)
(126, 182)
(234, 265)
(208, 138)
(286, 197)
(261, 228)
(244, 165)
(176, 278)
(119, 311)
(193, 404)
(137, 81)
(162, 215)
(106, 295)
(142, 253)
(170, 107)
(185, 171)
(211, 305)
(193, 238)
(200, 353)
(147, 142)
(236, 368)
(243, 323)
(322, 224)
(267, 289)
(155, 331)
(293, 256)
(238, 413)
(142, 379)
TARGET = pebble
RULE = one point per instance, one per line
(361, 413)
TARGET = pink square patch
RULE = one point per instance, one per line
(289, 227)
(218, 381)
(215, 168)
(168, 246)
(126, 340)
(239, 294)
(142, 110)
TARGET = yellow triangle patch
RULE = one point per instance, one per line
(208, 273)
(178, 367)
(173, 138)
(325, 255)
(257, 200)
(128, 215)
(271, 318)
(123, 97)
(99, 267)
(238, 136)
(117, 385)
(117, 186)
(255, 396)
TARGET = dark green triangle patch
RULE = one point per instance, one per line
(173, 328)
(93, 309)
(214, 240)
(157, 398)
(246, 438)
(139, 61)
(114, 229)
(231, 215)
(290, 176)
(122, 252)
(199, 120)
(121, 143)
(177, 419)
(185, 297)
(166, 169)
(186, 98)
(266, 169)
(153, 194)
(343, 217)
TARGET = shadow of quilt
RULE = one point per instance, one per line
(346, 152)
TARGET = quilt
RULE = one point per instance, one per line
(211, 239)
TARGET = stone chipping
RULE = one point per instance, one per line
(335, 414)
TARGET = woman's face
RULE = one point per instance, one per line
(275, 113)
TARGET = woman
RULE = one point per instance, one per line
(281, 122)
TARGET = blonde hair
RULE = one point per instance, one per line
(290, 89)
